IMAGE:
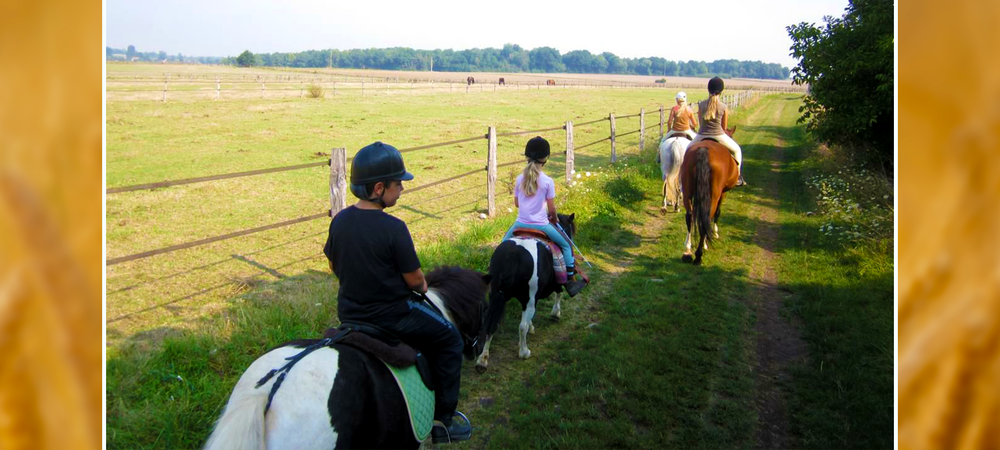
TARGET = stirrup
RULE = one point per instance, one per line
(445, 436)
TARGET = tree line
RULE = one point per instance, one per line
(512, 58)
(131, 54)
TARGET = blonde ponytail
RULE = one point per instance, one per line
(712, 108)
(529, 183)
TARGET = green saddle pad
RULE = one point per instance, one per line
(419, 399)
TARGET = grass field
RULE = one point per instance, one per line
(654, 354)
(152, 141)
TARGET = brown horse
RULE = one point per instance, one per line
(708, 172)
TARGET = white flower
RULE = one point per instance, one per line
(482, 215)
(885, 197)
(510, 210)
(572, 171)
(577, 176)
(588, 174)
(574, 183)
(318, 304)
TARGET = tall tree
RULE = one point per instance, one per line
(130, 52)
(848, 65)
(246, 59)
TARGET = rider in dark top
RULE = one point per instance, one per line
(372, 255)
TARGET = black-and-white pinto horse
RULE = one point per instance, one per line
(339, 396)
(521, 269)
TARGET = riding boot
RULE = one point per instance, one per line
(573, 286)
(740, 181)
(452, 432)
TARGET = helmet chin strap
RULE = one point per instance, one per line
(379, 199)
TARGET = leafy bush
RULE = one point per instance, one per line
(848, 66)
(314, 91)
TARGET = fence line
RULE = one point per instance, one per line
(139, 187)
(338, 173)
(199, 242)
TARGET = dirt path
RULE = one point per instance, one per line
(779, 343)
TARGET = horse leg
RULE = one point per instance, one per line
(483, 361)
(715, 220)
(556, 310)
(702, 246)
(687, 243)
(526, 316)
(663, 209)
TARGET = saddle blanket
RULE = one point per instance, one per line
(558, 261)
(419, 399)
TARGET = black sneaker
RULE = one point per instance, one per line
(457, 431)
(740, 181)
(574, 287)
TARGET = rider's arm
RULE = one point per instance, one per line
(551, 204)
(725, 120)
(670, 120)
(415, 281)
(694, 119)
(515, 202)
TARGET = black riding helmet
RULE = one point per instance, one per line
(374, 163)
(715, 86)
(537, 149)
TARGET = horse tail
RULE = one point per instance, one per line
(703, 193)
(502, 265)
(242, 423)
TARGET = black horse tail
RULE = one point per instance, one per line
(503, 265)
(703, 193)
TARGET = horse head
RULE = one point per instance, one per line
(568, 224)
(464, 294)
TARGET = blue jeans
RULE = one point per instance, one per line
(553, 233)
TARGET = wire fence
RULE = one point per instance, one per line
(338, 173)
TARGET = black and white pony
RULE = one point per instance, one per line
(338, 396)
(522, 269)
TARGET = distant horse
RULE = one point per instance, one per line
(671, 155)
(550, 82)
(521, 269)
(502, 83)
(707, 173)
(470, 81)
(338, 396)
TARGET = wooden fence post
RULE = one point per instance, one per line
(642, 130)
(334, 88)
(338, 180)
(362, 86)
(661, 122)
(614, 156)
(491, 172)
(262, 89)
(569, 152)
(164, 90)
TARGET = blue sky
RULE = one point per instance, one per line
(740, 29)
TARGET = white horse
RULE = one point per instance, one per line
(671, 156)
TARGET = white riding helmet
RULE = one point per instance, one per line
(682, 96)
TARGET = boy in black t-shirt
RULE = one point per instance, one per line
(372, 255)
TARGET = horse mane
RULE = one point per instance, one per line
(463, 290)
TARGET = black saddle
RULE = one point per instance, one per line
(382, 344)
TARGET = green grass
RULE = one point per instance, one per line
(654, 354)
(152, 141)
(842, 289)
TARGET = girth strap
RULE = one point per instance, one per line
(283, 370)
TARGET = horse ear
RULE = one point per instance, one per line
(572, 217)
(487, 278)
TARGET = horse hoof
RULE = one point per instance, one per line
(480, 369)
(526, 354)
(697, 261)
(687, 258)
(663, 211)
